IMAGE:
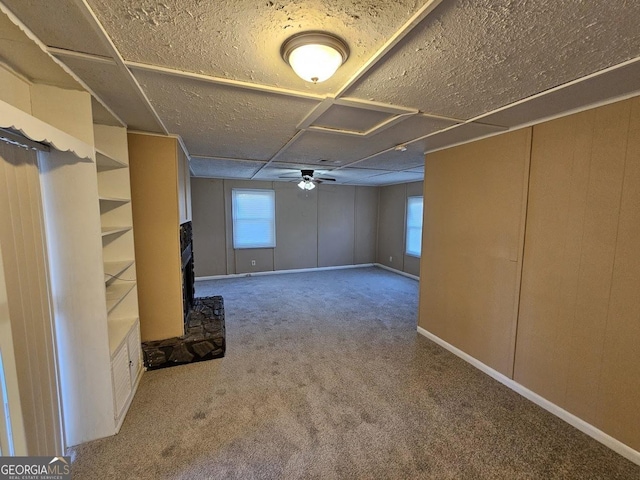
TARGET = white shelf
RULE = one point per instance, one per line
(104, 198)
(106, 231)
(116, 293)
(105, 162)
(113, 269)
(118, 330)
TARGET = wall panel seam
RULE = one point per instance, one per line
(522, 239)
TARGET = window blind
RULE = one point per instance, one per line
(414, 226)
(253, 218)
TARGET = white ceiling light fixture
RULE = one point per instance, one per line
(314, 56)
(306, 185)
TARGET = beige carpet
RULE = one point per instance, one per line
(325, 377)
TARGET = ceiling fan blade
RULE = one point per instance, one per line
(289, 177)
(326, 179)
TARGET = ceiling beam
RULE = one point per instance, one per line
(63, 52)
(106, 40)
(223, 81)
(404, 30)
(34, 38)
(279, 152)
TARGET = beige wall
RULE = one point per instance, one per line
(313, 229)
(579, 324)
(366, 231)
(471, 248)
(153, 168)
(392, 227)
(575, 338)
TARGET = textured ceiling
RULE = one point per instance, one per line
(24, 56)
(59, 24)
(474, 56)
(241, 39)
(426, 74)
(205, 114)
(106, 81)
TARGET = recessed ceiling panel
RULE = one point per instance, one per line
(390, 179)
(241, 39)
(221, 121)
(621, 81)
(110, 84)
(326, 168)
(314, 147)
(276, 173)
(59, 24)
(469, 57)
(461, 134)
(417, 170)
(394, 160)
(353, 175)
(349, 118)
(23, 55)
(223, 168)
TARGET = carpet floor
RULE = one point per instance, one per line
(325, 377)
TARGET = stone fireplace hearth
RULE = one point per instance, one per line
(204, 338)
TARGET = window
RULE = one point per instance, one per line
(414, 226)
(254, 213)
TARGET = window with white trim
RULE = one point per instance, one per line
(254, 218)
(414, 226)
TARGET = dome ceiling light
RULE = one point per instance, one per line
(314, 56)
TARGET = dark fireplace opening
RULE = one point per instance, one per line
(188, 275)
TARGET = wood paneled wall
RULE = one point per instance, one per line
(579, 324)
(474, 200)
(153, 167)
(575, 339)
(328, 226)
(392, 227)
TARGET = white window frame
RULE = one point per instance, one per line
(411, 228)
(238, 243)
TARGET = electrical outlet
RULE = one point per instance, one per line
(390, 259)
(253, 263)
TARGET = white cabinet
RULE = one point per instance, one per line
(121, 379)
(126, 370)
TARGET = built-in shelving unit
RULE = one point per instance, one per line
(107, 231)
(116, 293)
(106, 162)
(114, 200)
(118, 253)
(114, 269)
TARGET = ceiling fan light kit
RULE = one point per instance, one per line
(314, 56)
(306, 185)
(308, 181)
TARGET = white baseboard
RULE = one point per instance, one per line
(399, 272)
(280, 272)
(607, 440)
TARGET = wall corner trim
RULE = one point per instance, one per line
(598, 435)
(399, 272)
(280, 272)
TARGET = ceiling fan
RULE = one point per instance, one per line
(308, 180)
